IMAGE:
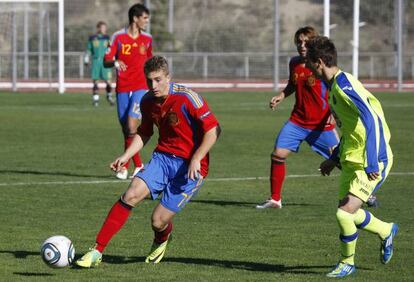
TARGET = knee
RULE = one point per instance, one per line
(158, 224)
(343, 215)
(276, 158)
(130, 198)
(133, 196)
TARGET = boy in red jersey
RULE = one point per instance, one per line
(310, 120)
(187, 131)
(130, 48)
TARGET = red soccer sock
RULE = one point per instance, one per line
(277, 176)
(116, 218)
(161, 237)
(127, 142)
(136, 158)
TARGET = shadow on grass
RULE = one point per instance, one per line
(30, 274)
(243, 204)
(55, 173)
(231, 264)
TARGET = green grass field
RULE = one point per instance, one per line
(54, 179)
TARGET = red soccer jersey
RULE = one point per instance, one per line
(134, 53)
(182, 119)
(311, 108)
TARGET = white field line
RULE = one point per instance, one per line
(208, 179)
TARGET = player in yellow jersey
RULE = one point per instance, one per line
(364, 154)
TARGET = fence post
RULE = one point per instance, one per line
(170, 63)
(412, 67)
(371, 66)
(246, 67)
(81, 68)
(205, 66)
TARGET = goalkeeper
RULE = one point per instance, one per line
(97, 45)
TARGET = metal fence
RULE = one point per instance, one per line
(240, 66)
(227, 39)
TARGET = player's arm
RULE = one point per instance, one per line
(328, 165)
(289, 90)
(369, 120)
(276, 100)
(209, 139)
(109, 60)
(88, 53)
(137, 144)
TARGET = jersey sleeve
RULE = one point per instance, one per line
(149, 50)
(200, 112)
(368, 119)
(89, 48)
(112, 50)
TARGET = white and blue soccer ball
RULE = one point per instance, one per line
(57, 251)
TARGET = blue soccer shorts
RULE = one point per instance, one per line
(166, 175)
(128, 104)
(291, 136)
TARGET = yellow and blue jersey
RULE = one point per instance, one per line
(365, 133)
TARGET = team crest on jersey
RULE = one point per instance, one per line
(142, 49)
(172, 118)
(311, 80)
(95, 43)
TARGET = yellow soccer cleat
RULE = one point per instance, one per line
(157, 251)
(90, 259)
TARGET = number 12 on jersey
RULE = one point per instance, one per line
(126, 49)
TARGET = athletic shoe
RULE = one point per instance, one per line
(122, 174)
(157, 251)
(90, 259)
(387, 247)
(95, 100)
(136, 170)
(110, 99)
(270, 203)
(372, 201)
(341, 270)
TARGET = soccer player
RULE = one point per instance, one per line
(130, 48)
(310, 120)
(364, 154)
(187, 131)
(97, 45)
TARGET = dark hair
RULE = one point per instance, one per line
(137, 10)
(156, 63)
(321, 47)
(100, 23)
(308, 31)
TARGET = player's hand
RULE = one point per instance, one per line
(276, 101)
(194, 169)
(119, 163)
(373, 175)
(121, 65)
(327, 166)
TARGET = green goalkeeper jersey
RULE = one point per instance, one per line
(97, 46)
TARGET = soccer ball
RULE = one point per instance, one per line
(57, 251)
